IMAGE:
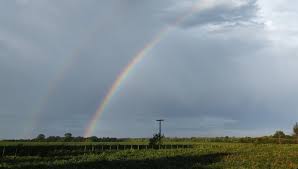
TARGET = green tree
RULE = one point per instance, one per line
(156, 140)
(54, 138)
(67, 137)
(40, 137)
(92, 139)
(295, 129)
(279, 134)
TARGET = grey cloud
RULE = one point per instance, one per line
(59, 58)
(211, 75)
(219, 14)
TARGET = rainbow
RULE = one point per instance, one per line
(136, 59)
(120, 78)
(69, 62)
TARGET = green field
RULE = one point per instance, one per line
(202, 155)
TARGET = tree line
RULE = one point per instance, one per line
(278, 137)
(69, 138)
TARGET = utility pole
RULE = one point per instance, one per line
(160, 120)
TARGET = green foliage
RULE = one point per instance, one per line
(295, 130)
(279, 134)
(40, 137)
(202, 156)
(53, 139)
(156, 140)
(92, 139)
(67, 137)
(78, 140)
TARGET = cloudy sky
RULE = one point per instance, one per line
(229, 67)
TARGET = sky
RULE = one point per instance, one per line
(228, 68)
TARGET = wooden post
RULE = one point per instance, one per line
(117, 147)
(101, 147)
(15, 154)
(3, 151)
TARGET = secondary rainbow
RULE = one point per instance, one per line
(125, 72)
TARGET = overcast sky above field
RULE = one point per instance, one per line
(228, 69)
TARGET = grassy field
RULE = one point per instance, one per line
(202, 155)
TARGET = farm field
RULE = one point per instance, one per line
(148, 84)
(202, 155)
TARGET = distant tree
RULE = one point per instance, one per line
(53, 138)
(78, 139)
(156, 140)
(40, 137)
(295, 129)
(279, 134)
(92, 139)
(67, 137)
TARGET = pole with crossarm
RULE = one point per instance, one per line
(160, 121)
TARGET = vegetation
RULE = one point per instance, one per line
(295, 129)
(203, 155)
(279, 134)
(69, 138)
(41, 137)
(156, 139)
(278, 151)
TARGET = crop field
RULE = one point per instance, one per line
(201, 155)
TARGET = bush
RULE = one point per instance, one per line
(156, 140)
(279, 134)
